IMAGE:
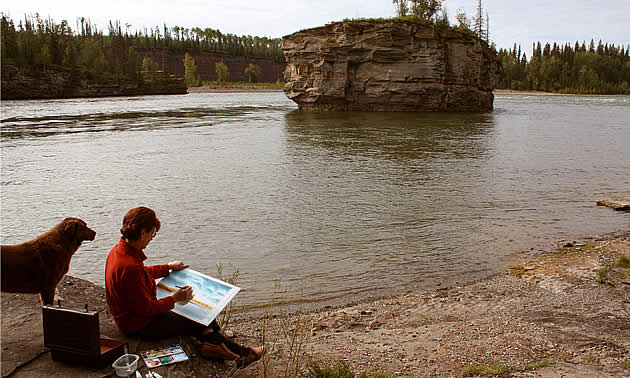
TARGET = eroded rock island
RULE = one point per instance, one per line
(390, 65)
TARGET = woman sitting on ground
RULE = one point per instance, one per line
(132, 300)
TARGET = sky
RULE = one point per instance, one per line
(523, 22)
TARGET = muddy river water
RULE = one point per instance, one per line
(329, 206)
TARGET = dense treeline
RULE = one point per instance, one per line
(36, 43)
(593, 69)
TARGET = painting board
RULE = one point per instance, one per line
(211, 294)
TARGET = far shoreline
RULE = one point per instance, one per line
(232, 89)
(261, 89)
(542, 93)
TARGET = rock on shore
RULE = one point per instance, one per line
(389, 65)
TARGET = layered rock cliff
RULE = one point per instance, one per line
(21, 84)
(173, 62)
(59, 82)
(389, 66)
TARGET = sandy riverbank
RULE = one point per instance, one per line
(549, 315)
(540, 93)
(232, 89)
(258, 89)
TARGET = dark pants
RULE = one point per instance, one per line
(170, 324)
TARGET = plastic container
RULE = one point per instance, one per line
(126, 365)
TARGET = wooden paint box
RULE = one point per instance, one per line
(74, 336)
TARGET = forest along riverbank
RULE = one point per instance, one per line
(561, 313)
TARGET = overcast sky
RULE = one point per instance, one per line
(511, 21)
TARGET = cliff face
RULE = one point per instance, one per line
(388, 66)
(269, 70)
(19, 84)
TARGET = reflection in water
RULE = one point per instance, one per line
(382, 188)
(392, 135)
(338, 205)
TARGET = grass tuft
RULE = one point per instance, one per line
(501, 368)
(623, 262)
(323, 370)
(317, 369)
(517, 271)
(224, 317)
(539, 364)
(602, 273)
(492, 369)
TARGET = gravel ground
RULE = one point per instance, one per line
(553, 315)
(548, 316)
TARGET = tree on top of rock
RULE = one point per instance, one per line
(423, 9)
(401, 7)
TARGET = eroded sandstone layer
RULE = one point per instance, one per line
(389, 66)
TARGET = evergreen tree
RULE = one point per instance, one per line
(565, 69)
(478, 21)
(131, 66)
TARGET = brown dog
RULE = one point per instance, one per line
(37, 266)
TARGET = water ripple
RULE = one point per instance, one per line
(336, 205)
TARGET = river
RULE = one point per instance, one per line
(321, 207)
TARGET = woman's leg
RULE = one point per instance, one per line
(214, 336)
(168, 325)
(217, 338)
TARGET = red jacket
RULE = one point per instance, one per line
(130, 288)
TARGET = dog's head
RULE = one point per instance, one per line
(77, 229)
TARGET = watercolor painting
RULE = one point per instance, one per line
(211, 294)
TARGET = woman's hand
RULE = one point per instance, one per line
(184, 294)
(177, 265)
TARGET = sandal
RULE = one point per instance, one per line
(254, 355)
(216, 352)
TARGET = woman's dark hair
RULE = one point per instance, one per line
(138, 219)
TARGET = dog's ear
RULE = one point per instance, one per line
(70, 226)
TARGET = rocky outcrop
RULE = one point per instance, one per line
(389, 66)
(20, 84)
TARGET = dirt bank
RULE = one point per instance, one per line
(541, 93)
(232, 89)
(562, 313)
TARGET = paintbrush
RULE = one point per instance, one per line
(195, 301)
